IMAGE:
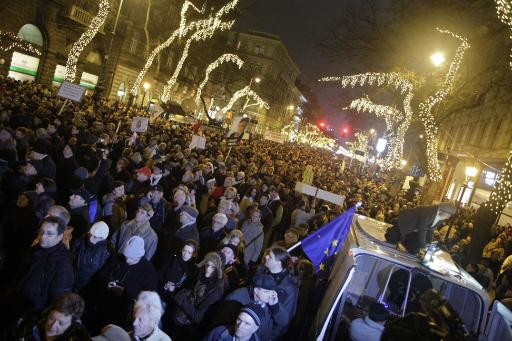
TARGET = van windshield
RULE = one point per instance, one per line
(399, 289)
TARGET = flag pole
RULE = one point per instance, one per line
(293, 247)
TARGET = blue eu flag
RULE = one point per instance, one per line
(326, 241)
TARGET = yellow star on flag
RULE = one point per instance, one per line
(335, 243)
(326, 251)
(322, 266)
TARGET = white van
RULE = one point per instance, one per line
(367, 269)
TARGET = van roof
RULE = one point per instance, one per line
(369, 235)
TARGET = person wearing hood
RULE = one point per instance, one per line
(192, 304)
(120, 282)
(89, 254)
(246, 328)
(139, 226)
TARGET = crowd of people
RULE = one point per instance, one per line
(137, 236)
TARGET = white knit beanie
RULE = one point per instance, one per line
(134, 247)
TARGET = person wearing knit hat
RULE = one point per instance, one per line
(133, 250)
(370, 327)
(247, 326)
(99, 230)
(90, 253)
(121, 280)
(146, 171)
(190, 211)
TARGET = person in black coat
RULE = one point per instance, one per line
(20, 230)
(187, 230)
(61, 322)
(191, 304)
(79, 211)
(90, 253)
(211, 236)
(45, 275)
(117, 286)
(177, 272)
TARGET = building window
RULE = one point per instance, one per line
(490, 178)
(134, 42)
(259, 49)
(32, 34)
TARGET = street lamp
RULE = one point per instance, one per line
(257, 79)
(421, 136)
(437, 59)
(372, 131)
(146, 87)
(470, 172)
(403, 163)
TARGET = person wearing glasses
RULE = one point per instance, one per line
(45, 274)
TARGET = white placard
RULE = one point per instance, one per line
(140, 124)
(305, 188)
(330, 197)
(274, 136)
(71, 91)
(198, 142)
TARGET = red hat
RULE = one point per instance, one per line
(145, 170)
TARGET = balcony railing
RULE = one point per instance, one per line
(82, 16)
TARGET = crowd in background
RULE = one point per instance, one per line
(104, 231)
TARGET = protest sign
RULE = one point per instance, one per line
(198, 142)
(140, 124)
(73, 92)
(274, 136)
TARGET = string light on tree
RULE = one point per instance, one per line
(181, 31)
(425, 108)
(245, 92)
(504, 11)
(502, 193)
(393, 79)
(16, 43)
(206, 31)
(219, 61)
(392, 117)
(85, 39)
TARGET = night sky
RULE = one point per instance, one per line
(300, 23)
